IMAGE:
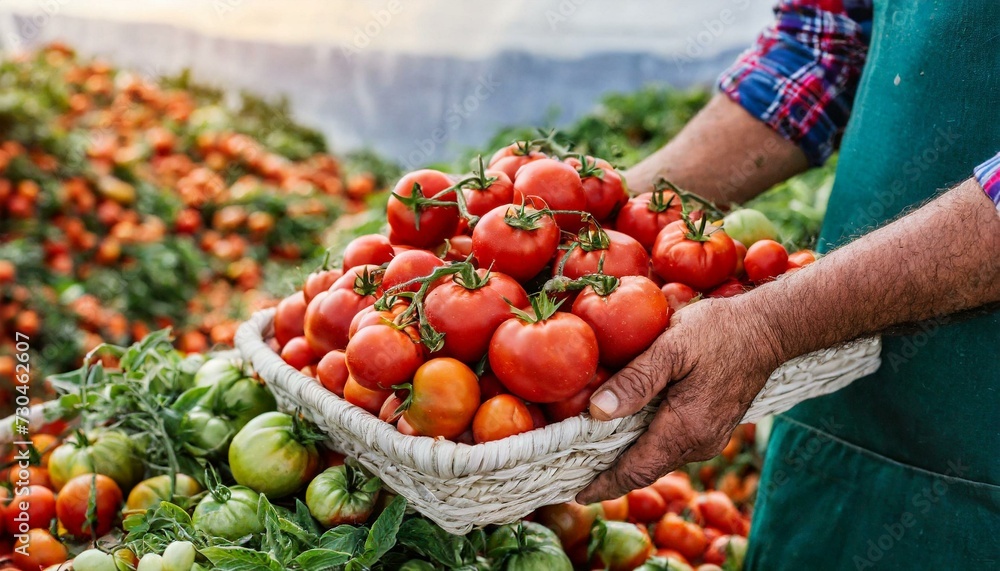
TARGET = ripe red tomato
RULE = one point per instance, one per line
(727, 288)
(390, 409)
(329, 314)
(701, 259)
(511, 158)
(297, 353)
(765, 260)
(643, 216)
(570, 521)
(459, 248)
(73, 501)
(602, 185)
(741, 254)
(448, 307)
(626, 320)
(358, 278)
(380, 356)
(42, 550)
(490, 386)
(545, 357)
(320, 281)
(35, 508)
(492, 189)
(578, 403)
(621, 254)
(645, 505)
(676, 490)
(332, 372)
(687, 538)
(537, 415)
(678, 295)
(421, 225)
(289, 318)
(406, 267)
(616, 509)
(801, 258)
(500, 417)
(444, 399)
(718, 511)
(516, 241)
(369, 316)
(367, 399)
(558, 185)
(373, 249)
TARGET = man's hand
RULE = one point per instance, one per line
(715, 359)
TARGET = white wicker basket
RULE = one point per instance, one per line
(461, 486)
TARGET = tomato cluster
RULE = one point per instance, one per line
(500, 301)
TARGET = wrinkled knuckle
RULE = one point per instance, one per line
(636, 381)
(636, 477)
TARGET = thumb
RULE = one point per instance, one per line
(633, 387)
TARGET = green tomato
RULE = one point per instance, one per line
(663, 564)
(218, 371)
(179, 556)
(342, 494)
(229, 517)
(625, 546)
(107, 452)
(505, 536)
(150, 562)
(273, 456)
(94, 560)
(748, 226)
(527, 546)
(205, 434)
(245, 400)
(149, 493)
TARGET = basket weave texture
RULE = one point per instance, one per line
(460, 486)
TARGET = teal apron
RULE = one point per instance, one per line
(901, 470)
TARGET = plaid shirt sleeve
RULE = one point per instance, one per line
(801, 75)
(988, 175)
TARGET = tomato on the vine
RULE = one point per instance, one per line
(413, 220)
(643, 216)
(486, 190)
(518, 241)
(320, 281)
(511, 158)
(698, 255)
(73, 505)
(626, 314)
(459, 248)
(407, 267)
(329, 314)
(558, 185)
(383, 355)
(373, 249)
(602, 185)
(544, 356)
(614, 253)
(500, 417)
(290, 318)
(443, 399)
(765, 260)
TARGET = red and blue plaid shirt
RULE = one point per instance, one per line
(801, 75)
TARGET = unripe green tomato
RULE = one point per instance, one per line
(748, 226)
(179, 556)
(150, 562)
(94, 560)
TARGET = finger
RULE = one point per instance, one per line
(665, 446)
(631, 388)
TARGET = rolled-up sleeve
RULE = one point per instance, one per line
(988, 175)
(801, 75)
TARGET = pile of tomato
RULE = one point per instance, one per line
(498, 302)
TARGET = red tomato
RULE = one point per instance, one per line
(508, 288)
(373, 249)
(490, 386)
(570, 521)
(332, 372)
(42, 550)
(517, 241)
(801, 258)
(672, 532)
(297, 353)
(369, 316)
(320, 281)
(645, 505)
(329, 315)
(728, 288)
(537, 415)
(578, 403)
(73, 502)
(500, 417)
(380, 356)
(390, 409)
(678, 295)
(718, 511)
(765, 260)
(676, 490)
(616, 509)
(369, 400)
(406, 267)
(449, 306)
(626, 320)
(358, 278)
(289, 318)
(421, 225)
(558, 185)
(459, 248)
(602, 185)
(741, 254)
(35, 507)
(511, 158)
(645, 215)
(725, 547)
(702, 259)
(444, 399)
(621, 255)
(546, 357)
(494, 188)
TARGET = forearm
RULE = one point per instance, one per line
(723, 154)
(940, 259)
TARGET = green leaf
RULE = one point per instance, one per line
(321, 559)
(382, 536)
(189, 399)
(229, 558)
(346, 538)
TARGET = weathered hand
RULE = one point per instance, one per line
(713, 360)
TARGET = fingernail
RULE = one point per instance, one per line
(606, 402)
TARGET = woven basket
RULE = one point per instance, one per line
(460, 486)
